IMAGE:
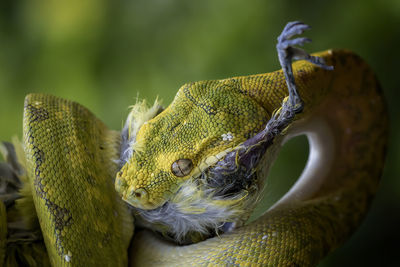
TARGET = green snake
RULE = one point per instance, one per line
(193, 172)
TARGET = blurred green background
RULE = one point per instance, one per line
(105, 54)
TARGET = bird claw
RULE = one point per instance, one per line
(287, 52)
(291, 29)
(286, 46)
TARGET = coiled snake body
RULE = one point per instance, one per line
(70, 162)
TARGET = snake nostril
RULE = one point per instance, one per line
(139, 194)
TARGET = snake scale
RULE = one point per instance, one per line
(223, 129)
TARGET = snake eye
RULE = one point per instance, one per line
(182, 167)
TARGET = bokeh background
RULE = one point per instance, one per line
(105, 54)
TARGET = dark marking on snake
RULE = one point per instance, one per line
(174, 126)
(91, 180)
(207, 108)
(60, 216)
(37, 113)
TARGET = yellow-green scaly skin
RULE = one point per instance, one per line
(71, 169)
(350, 100)
(191, 128)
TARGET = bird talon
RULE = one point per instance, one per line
(287, 52)
(292, 29)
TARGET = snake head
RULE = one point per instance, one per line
(163, 150)
(146, 182)
(192, 169)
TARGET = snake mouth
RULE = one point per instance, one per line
(136, 197)
(139, 198)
